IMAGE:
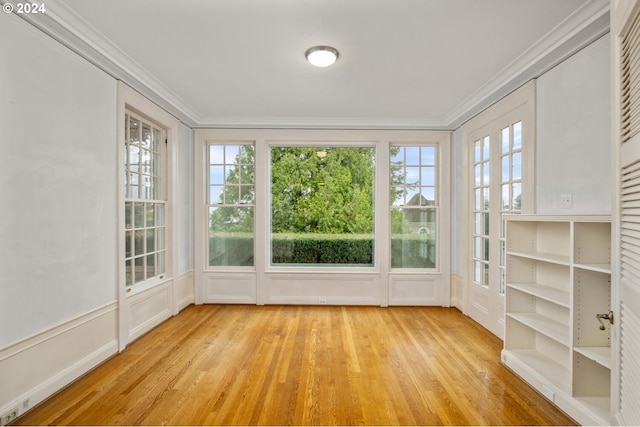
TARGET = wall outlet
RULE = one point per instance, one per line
(322, 301)
(566, 201)
(9, 416)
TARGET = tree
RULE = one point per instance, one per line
(325, 190)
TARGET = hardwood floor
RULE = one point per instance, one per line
(304, 365)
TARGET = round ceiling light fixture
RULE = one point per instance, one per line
(322, 56)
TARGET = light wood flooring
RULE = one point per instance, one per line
(304, 365)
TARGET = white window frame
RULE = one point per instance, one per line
(145, 305)
(362, 285)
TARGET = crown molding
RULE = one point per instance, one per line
(65, 26)
(320, 123)
(583, 27)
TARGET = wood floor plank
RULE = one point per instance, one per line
(304, 365)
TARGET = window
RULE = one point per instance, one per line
(511, 183)
(231, 204)
(481, 191)
(145, 201)
(322, 205)
(414, 207)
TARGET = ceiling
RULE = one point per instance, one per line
(404, 63)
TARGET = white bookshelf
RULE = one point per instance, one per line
(558, 278)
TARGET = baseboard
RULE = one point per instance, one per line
(39, 366)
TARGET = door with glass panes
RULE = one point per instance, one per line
(499, 142)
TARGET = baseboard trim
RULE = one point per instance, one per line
(39, 366)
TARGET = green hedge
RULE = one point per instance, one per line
(407, 251)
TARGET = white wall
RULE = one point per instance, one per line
(57, 183)
(185, 199)
(59, 293)
(574, 133)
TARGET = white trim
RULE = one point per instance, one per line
(37, 367)
(585, 25)
(580, 29)
(130, 100)
(283, 284)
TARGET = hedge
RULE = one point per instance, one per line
(237, 249)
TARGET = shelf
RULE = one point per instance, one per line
(540, 364)
(552, 329)
(543, 256)
(600, 355)
(597, 267)
(547, 293)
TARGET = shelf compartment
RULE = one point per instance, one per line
(591, 296)
(600, 355)
(590, 378)
(541, 240)
(541, 365)
(540, 273)
(546, 293)
(592, 243)
(557, 331)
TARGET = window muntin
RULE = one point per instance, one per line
(414, 205)
(145, 203)
(231, 204)
(322, 206)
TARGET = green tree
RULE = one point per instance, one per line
(325, 190)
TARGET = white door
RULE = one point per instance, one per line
(500, 144)
(626, 262)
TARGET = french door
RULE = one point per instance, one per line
(500, 167)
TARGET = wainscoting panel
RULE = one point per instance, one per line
(322, 288)
(238, 288)
(37, 367)
(148, 308)
(415, 290)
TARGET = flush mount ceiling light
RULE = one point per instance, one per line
(322, 56)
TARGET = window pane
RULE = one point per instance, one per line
(215, 194)
(505, 168)
(517, 136)
(505, 140)
(231, 236)
(516, 194)
(151, 265)
(506, 200)
(428, 156)
(428, 176)
(486, 173)
(322, 204)
(139, 269)
(216, 174)
(485, 148)
(413, 238)
(412, 175)
(477, 150)
(517, 165)
(413, 156)
(151, 240)
(128, 272)
(478, 174)
(397, 155)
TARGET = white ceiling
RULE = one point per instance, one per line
(404, 63)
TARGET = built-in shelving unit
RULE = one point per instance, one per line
(558, 279)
